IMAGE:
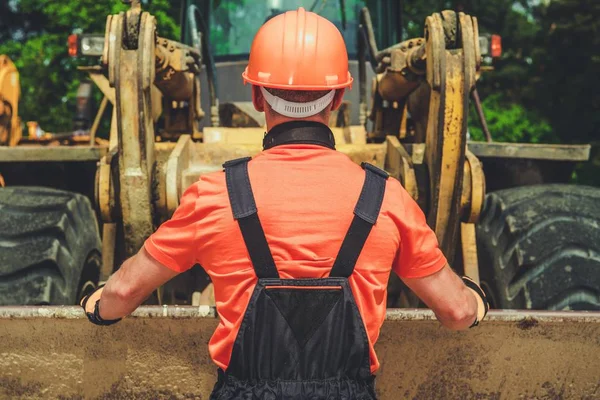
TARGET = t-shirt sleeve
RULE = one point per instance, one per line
(419, 254)
(174, 243)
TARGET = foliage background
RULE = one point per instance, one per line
(33, 33)
(545, 88)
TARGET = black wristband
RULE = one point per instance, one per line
(95, 317)
(470, 283)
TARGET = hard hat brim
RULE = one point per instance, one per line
(347, 84)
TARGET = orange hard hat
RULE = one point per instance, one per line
(298, 50)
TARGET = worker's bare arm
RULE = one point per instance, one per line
(444, 292)
(137, 278)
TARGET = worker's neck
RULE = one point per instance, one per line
(274, 120)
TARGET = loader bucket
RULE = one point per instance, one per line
(161, 353)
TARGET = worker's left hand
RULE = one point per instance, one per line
(89, 302)
(90, 305)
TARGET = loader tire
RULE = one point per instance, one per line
(49, 246)
(539, 248)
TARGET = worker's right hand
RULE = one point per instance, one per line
(482, 304)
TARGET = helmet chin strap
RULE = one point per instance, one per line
(297, 110)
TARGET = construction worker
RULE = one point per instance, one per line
(299, 241)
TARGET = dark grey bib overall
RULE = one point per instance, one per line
(300, 338)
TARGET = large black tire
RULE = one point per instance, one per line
(49, 246)
(539, 247)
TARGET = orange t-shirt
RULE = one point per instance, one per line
(305, 195)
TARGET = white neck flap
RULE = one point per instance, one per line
(297, 110)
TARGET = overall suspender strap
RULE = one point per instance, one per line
(365, 215)
(245, 212)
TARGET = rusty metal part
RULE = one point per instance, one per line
(399, 165)
(473, 191)
(469, 251)
(451, 75)
(476, 44)
(2, 181)
(169, 68)
(10, 91)
(556, 152)
(107, 176)
(449, 57)
(97, 120)
(175, 57)
(96, 74)
(417, 56)
(55, 153)
(183, 116)
(398, 80)
(513, 354)
(176, 76)
(105, 191)
(181, 164)
(254, 136)
(131, 73)
(162, 152)
(478, 188)
(109, 238)
(176, 84)
(179, 160)
(403, 124)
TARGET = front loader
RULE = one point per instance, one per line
(531, 241)
(530, 246)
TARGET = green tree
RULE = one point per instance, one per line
(36, 41)
(510, 122)
(567, 82)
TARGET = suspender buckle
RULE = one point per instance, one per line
(374, 169)
(237, 161)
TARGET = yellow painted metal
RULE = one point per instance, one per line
(35, 153)
(535, 151)
(451, 75)
(97, 119)
(97, 76)
(131, 73)
(399, 165)
(477, 187)
(186, 161)
(10, 91)
(109, 237)
(450, 158)
(179, 160)
(469, 251)
(254, 136)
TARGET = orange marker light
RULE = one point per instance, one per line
(496, 47)
(73, 45)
